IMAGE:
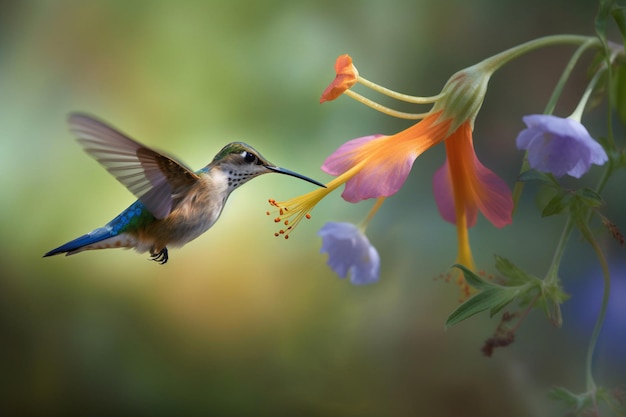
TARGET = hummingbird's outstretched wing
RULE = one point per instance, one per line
(156, 180)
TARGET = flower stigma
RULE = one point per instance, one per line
(291, 212)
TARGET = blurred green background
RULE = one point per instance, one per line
(239, 322)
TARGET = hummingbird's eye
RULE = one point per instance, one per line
(249, 157)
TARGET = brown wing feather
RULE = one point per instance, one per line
(155, 179)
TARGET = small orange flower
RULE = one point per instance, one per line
(346, 77)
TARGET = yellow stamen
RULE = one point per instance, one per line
(464, 256)
(292, 211)
(370, 215)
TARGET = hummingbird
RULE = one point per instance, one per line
(175, 204)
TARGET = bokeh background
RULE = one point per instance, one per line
(239, 322)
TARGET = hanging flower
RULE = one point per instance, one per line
(559, 145)
(462, 187)
(350, 252)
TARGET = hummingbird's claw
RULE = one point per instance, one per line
(160, 257)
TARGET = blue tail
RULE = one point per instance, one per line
(75, 245)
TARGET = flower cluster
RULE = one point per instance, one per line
(377, 166)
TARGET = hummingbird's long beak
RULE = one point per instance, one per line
(294, 174)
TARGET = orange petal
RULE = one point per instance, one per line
(384, 161)
(346, 76)
(464, 184)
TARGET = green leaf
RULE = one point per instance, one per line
(506, 297)
(515, 275)
(619, 91)
(490, 299)
(601, 19)
(589, 197)
(534, 175)
(556, 205)
(619, 15)
(473, 279)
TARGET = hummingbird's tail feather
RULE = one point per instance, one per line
(101, 238)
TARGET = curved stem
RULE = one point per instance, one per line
(399, 96)
(496, 61)
(609, 59)
(383, 109)
(578, 111)
(566, 73)
(606, 276)
(552, 274)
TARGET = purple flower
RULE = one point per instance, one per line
(349, 250)
(559, 146)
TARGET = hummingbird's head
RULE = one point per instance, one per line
(241, 162)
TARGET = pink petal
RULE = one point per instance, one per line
(494, 197)
(344, 157)
(444, 194)
(379, 180)
(387, 167)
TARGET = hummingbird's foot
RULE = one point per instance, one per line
(160, 257)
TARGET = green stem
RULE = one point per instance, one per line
(552, 274)
(566, 74)
(496, 61)
(591, 385)
(610, 54)
(577, 114)
(604, 179)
